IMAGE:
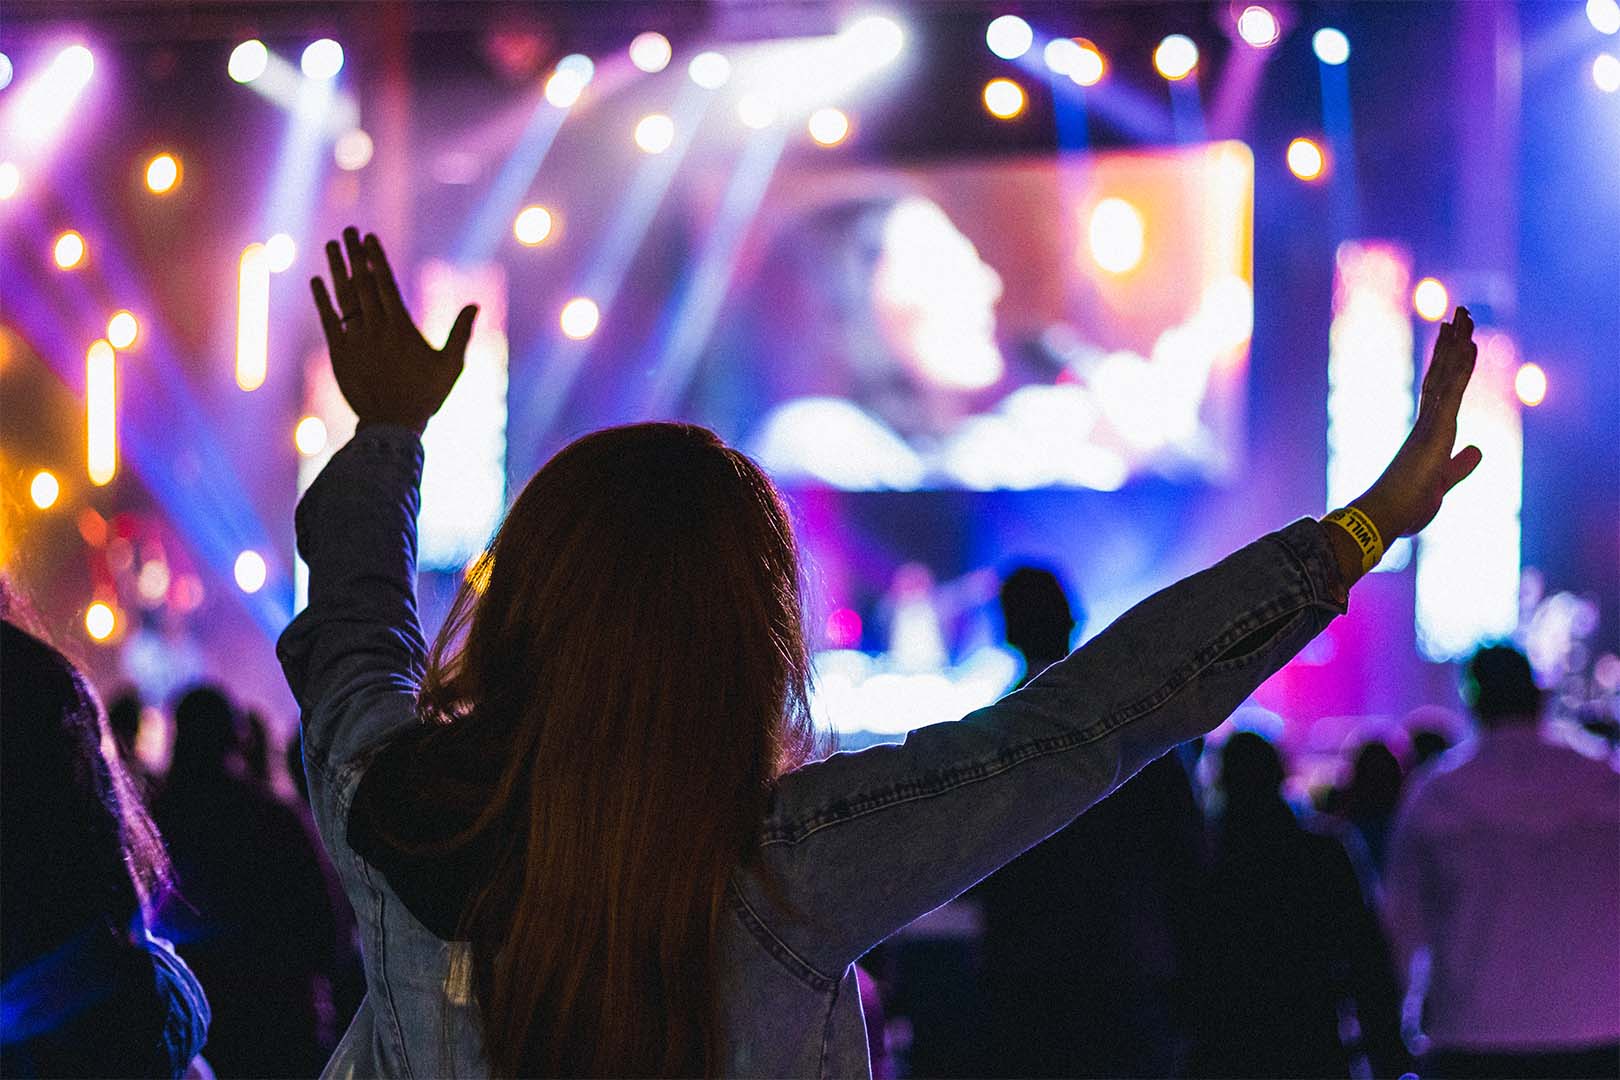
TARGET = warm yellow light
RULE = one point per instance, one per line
(100, 413)
(250, 571)
(163, 174)
(68, 250)
(99, 621)
(1176, 57)
(122, 329)
(310, 436)
(253, 317)
(1530, 383)
(1429, 299)
(1089, 65)
(1004, 98)
(580, 318)
(655, 133)
(1305, 159)
(532, 225)
(44, 489)
(829, 127)
(1117, 236)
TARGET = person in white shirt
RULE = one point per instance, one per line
(1504, 871)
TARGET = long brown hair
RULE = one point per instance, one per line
(630, 664)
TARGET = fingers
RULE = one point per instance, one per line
(330, 323)
(1458, 468)
(456, 344)
(1450, 368)
(347, 302)
(365, 282)
(387, 289)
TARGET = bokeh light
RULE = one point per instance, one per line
(1061, 54)
(99, 621)
(353, 150)
(6, 71)
(1117, 236)
(1089, 65)
(756, 111)
(248, 61)
(650, 52)
(322, 59)
(573, 73)
(1176, 57)
(250, 571)
(873, 40)
(1530, 383)
(532, 225)
(1604, 15)
(1331, 46)
(162, 174)
(1258, 26)
(101, 413)
(10, 179)
(44, 489)
(1003, 98)
(580, 317)
(709, 70)
(655, 133)
(122, 329)
(69, 250)
(1009, 37)
(281, 252)
(310, 436)
(1430, 299)
(1305, 159)
(1606, 73)
(828, 126)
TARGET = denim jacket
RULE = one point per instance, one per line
(860, 843)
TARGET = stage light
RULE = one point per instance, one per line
(100, 413)
(1331, 46)
(569, 80)
(532, 225)
(1009, 37)
(310, 436)
(39, 109)
(1061, 55)
(162, 174)
(655, 133)
(322, 59)
(1305, 159)
(1089, 65)
(755, 111)
(253, 317)
(650, 52)
(1530, 383)
(122, 329)
(1176, 57)
(353, 150)
(250, 571)
(1430, 301)
(248, 61)
(1606, 73)
(580, 318)
(1117, 236)
(44, 489)
(1258, 26)
(280, 252)
(68, 251)
(829, 126)
(1003, 98)
(10, 179)
(709, 70)
(874, 40)
(1604, 15)
(99, 621)
(5, 71)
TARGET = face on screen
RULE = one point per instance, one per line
(1010, 324)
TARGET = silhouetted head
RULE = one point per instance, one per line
(205, 737)
(1375, 782)
(635, 674)
(1035, 611)
(1251, 771)
(124, 718)
(1500, 687)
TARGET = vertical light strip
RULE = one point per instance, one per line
(253, 317)
(1369, 372)
(1468, 557)
(100, 412)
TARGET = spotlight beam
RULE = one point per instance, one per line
(1344, 183)
(488, 226)
(1132, 111)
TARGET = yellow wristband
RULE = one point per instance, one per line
(1363, 532)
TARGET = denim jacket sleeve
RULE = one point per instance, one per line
(858, 845)
(355, 656)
